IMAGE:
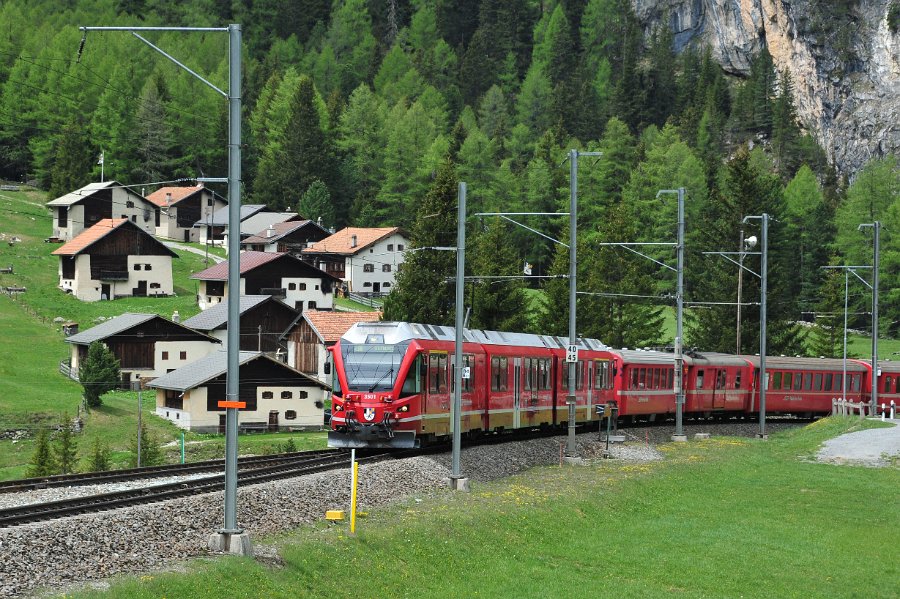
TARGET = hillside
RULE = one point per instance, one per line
(355, 111)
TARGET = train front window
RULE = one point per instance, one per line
(413, 383)
(372, 366)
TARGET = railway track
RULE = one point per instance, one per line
(301, 465)
(146, 472)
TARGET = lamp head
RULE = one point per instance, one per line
(750, 242)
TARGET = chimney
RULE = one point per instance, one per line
(270, 232)
(319, 221)
(168, 199)
(353, 241)
(176, 317)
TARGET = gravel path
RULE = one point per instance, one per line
(91, 548)
(873, 447)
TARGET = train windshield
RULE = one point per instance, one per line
(372, 367)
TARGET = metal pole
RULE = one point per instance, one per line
(573, 273)
(140, 406)
(877, 229)
(737, 350)
(679, 320)
(844, 379)
(234, 276)
(762, 326)
(457, 347)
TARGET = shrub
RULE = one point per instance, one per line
(98, 373)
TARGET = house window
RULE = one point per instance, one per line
(311, 305)
(399, 247)
(386, 284)
(367, 284)
(292, 286)
(317, 287)
(290, 415)
(301, 286)
(63, 217)
(133, 218)
(129, 204)
(368, 268)
(137, 266)
(165, 355)
(303, 394)
(267, 395)
(155, 285)
(385, 268)
(287, 395)
(182, 355)
(148, 267)
(209, 201)
(390, 247)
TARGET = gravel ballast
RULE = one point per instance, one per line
(93, 547)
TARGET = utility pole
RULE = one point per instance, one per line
(572, 353)
(876, 228)
(230, 538)
(737, 350)
(848, 270)
(679, 318)
(457, 481)
(763, 272)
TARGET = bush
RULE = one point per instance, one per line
(98, 373)
(98, 461)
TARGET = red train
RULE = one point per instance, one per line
(393, 383)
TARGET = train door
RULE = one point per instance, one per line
(437, 398)
(589, 389)
(517, 392)
(718, 402)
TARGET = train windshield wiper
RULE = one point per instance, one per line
(389, 372)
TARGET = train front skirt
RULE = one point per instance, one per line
(374, 437)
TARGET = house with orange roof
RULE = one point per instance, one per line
(115, 258)
(366, 259)
(181, 207)
(85, 207)
(309, 338)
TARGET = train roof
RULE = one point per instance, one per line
(791, 363)
(891, 366)
(397, 332)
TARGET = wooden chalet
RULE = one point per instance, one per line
(291, 237)
(308, 339)
(277, 396)
(298, 284)
(115, 258)
(180, 208)
(83, 208)
(263, 322)
(147, 345)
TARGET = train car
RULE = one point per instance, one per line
(889, 385)
(807, 385)
(642, 383)
(392, 383)
(717, 385)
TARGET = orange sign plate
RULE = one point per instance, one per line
(232, 404)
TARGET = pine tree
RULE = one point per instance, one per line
(316, 204)
(422, 293)
(497, 304)
(42, 462)
(151, 453)
(98, 461)
(73, 161)
(825, 340)
(66, 448)
(154, 133)
(98, 373)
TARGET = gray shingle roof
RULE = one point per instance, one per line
(109, 328)
(217, 316)
(213, 365)
(219, 218)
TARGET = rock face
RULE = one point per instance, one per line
(846, 71)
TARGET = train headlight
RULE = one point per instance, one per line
(338, 408)
(403, 408)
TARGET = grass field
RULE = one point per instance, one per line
(720, 518)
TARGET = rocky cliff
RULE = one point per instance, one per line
(845, 66)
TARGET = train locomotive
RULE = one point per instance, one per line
(392, 384)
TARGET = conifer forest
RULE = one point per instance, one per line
(369, 112)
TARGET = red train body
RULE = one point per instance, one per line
(393, 383)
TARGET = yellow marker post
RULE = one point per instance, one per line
(353, 498)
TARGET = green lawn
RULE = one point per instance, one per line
(353, 306)
(720, 518)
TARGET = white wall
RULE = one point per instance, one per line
(377, 255)
(313, 292)
(194, 416)
(194, 350)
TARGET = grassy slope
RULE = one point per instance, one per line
(720, 518)
(32, 392)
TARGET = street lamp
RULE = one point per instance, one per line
(763, 276)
